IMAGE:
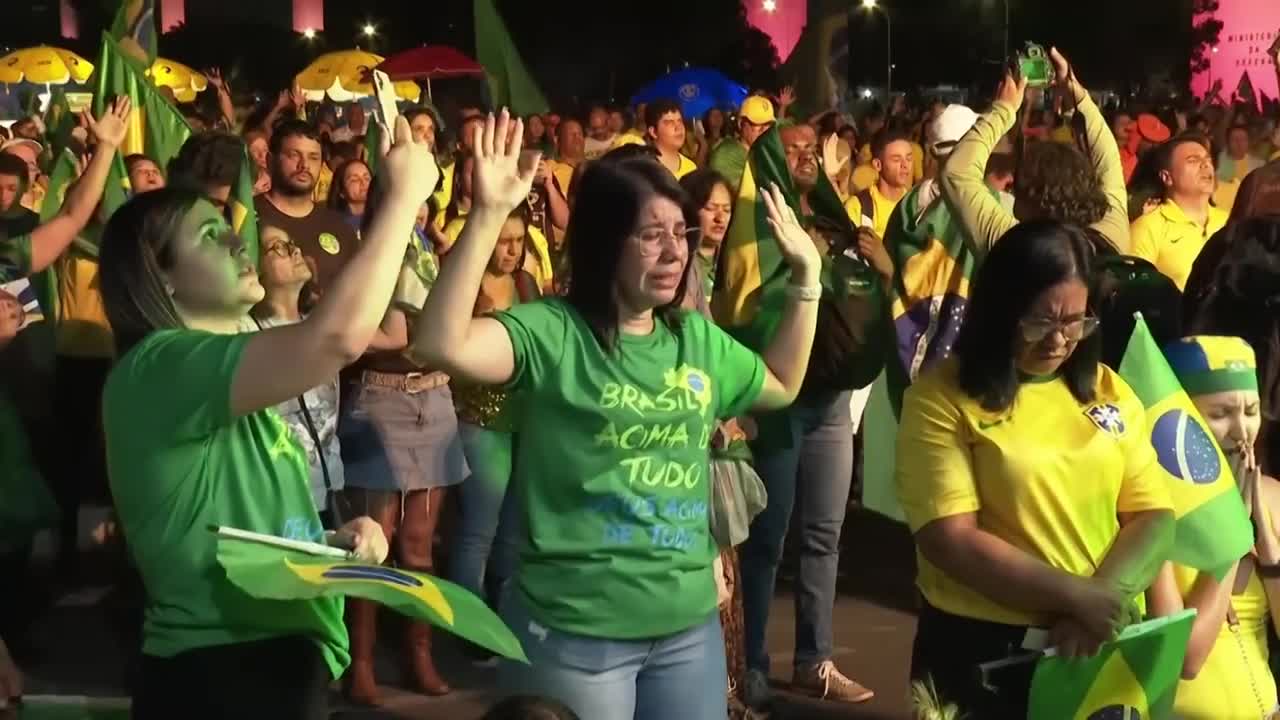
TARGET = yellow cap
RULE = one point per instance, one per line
(757, 110)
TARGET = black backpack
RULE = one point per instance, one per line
(1123, 285)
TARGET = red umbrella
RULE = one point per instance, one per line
(429, 62)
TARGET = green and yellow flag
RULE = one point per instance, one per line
(134, 29)
(1213, 528)
(510, 83)
(156, 128)
(751, 281)
(278, 574)
(244, 217)
(1135, 677)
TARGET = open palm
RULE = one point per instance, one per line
(793, 240)
(499, 181)
(110, 129)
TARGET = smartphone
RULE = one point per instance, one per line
(1035, 66)
(385, 95)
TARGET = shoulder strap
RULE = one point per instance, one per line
(311, 429)
(868, 204)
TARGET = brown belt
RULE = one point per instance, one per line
(411, 383)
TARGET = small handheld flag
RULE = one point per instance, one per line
(275, 572)
(1131, 678)
(1213, 528)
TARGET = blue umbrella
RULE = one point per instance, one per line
(696, 89)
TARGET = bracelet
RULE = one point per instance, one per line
(811, 293)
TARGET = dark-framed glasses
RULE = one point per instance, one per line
(1035, 330)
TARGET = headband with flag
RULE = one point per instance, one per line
(1211, 363)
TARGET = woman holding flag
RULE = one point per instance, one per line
(1027, 477)
(1225, 673)
(192, 441)
(619, 390)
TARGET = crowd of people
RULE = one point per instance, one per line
(523, 318)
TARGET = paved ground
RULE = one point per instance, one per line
(79, 650)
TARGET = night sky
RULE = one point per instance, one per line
(582, 51)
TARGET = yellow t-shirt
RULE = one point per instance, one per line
(1223, 690)
(564, 176)
(320, 194)
(917, 162)
(1048, 475)
(452, 230)
(882, 212)
(686, 166)
(1171, 241)
(445, 193)
(864, 176)
(83, 330)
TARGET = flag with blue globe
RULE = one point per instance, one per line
(1213, 527)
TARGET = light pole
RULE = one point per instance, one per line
(871, 6)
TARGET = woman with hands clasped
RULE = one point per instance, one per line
(1225, 675)
(618, 392)
(1027, 477)
(192, 441)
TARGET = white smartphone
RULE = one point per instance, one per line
(385, 95)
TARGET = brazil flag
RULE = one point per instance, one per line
(1213, 527)
(277, 574)
(752, 277)
(1135, 677)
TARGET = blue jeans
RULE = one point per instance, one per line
(485, 541)
(813, 472)
(678, 676)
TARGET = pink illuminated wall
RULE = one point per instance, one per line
(68, 23)
(172, 14)
(783, 23)
(1248, 29)
(308, 15)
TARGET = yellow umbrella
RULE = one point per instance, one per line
(44, 65)
(184, 81)
(340, 75)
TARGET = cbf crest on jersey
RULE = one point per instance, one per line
(1107, 417)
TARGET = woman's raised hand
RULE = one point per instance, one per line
(499, 180)
(410, 166)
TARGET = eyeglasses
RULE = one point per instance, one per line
(1035, 330)
(283, 248)
(653, 237)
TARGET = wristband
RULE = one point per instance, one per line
(812, 293)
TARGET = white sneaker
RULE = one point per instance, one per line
(756, 692)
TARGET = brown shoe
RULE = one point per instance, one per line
(359, 684)
(826, 682)
(421, 667)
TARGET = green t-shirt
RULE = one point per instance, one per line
(15, 258)
(729, 158)
(179, 463)
(613, 466)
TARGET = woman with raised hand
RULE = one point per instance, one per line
(192, 442)
(618, 393)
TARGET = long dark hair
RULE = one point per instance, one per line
(337, 199)
(136, 248)
(611, 194)
(1029, 259)
(1239, 295)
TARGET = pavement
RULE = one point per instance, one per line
(79, 648)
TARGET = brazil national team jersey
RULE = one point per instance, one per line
(1047, 475)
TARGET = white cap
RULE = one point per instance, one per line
(947, 129)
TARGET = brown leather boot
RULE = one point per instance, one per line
(422, 668)
(359, 684)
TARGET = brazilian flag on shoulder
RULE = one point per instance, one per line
(752, 277)
(1134, 677)
(1213, 528)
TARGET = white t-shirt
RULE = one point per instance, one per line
(322, 404)
(594, 148)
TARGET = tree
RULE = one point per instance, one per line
(1204, 33)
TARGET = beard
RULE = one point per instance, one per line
(286, 185)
